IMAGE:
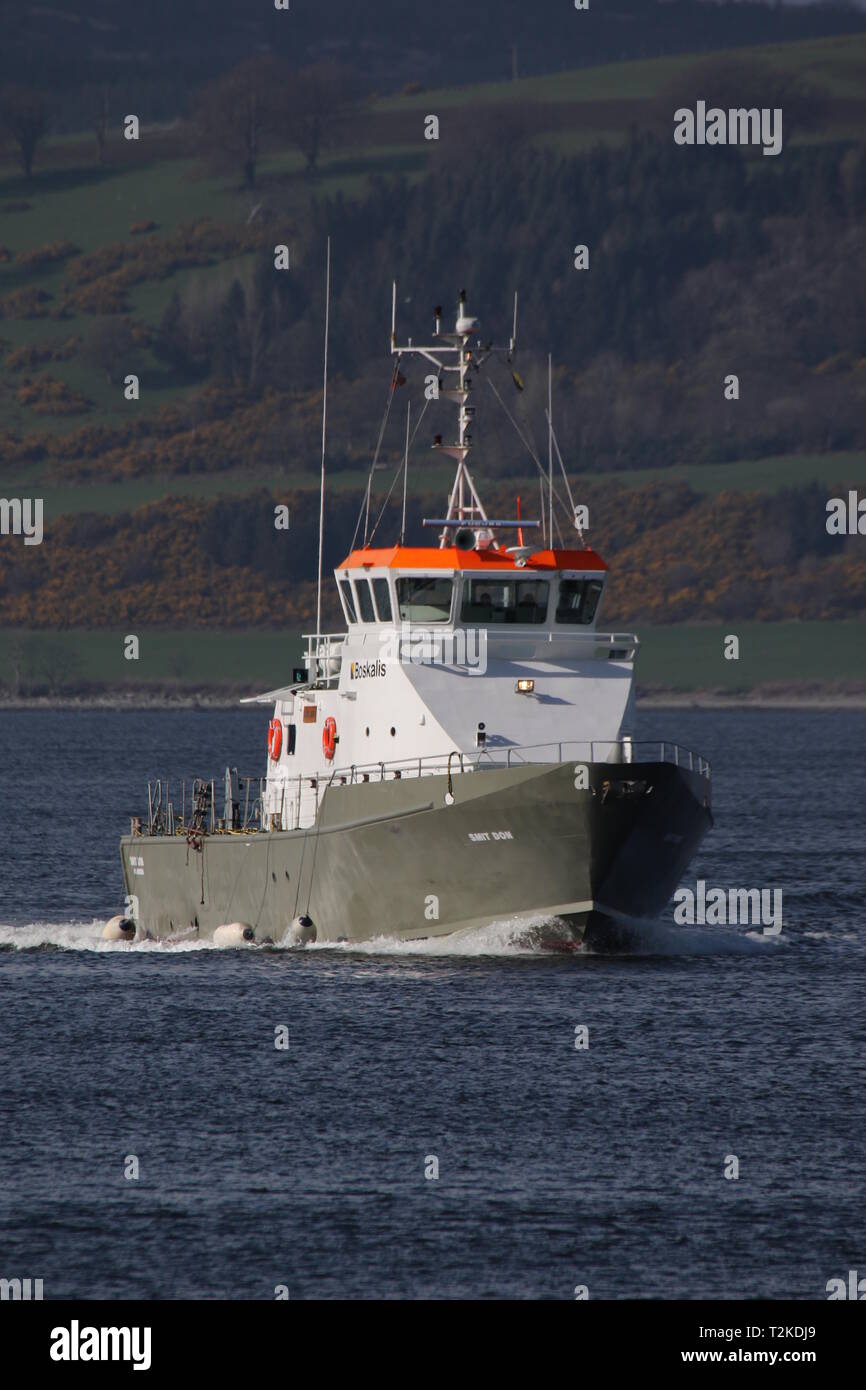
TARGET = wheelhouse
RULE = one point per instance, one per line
(447, 587)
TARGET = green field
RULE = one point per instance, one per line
(94, 206)
(61, 662)
(688, 657)
(833, 65)
(691, 656)
(747, 475)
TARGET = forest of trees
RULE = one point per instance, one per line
(698, 268)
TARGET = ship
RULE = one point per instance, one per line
(462, 753)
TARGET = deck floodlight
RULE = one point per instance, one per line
(525, 686)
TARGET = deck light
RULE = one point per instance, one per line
(525, 686)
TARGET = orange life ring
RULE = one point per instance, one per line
(275, 738)
(329, 737)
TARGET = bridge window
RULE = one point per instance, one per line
(348, 601)
(424, 600)
(578, 600)
(383, 599)
(496, 600)
(365, 600)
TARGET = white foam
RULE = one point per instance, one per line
(509, 937)
(82, 936)
(505, 938)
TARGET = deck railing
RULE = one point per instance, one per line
(564, 750)
(301, 796)
(193, 810)
(323, 654)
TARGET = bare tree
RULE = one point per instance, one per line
(24, 118)
(319, 104)
(241, 114)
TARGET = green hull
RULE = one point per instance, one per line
(399, 859)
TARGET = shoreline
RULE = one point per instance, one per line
(707, 699)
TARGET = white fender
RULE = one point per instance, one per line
(234, 934)
(118, 929)
(302, 932)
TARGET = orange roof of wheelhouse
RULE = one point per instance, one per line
(450, 558)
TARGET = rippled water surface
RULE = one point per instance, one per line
(557, 1167)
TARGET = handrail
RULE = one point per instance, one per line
(625, 751)
(323, 654)
(566, 631)
(327, 639)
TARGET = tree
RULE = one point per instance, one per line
(24, 118)
(318, 105)
(228, 358)
(239, 115)
(111, 346)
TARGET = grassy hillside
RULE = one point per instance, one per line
(747, 475)
(92, 207)
(833, 65)
(738, 264)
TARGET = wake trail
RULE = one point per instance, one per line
(541, 936)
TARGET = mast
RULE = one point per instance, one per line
(451, 353)
(457, 353)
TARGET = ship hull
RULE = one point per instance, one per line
(422, 857)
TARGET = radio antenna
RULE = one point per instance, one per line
(324, 439)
